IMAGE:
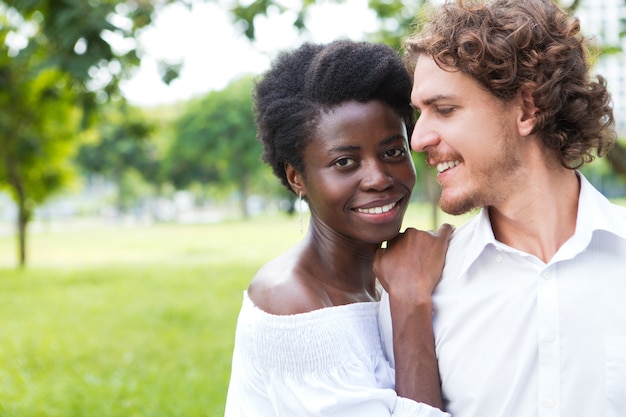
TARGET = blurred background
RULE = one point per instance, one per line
(134, 207)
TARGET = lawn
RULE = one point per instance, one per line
(112, 321)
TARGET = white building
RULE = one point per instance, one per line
(603, 19)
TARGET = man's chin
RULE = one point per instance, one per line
(456, 206)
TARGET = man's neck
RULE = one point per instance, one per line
(541, 217)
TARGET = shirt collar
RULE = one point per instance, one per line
(481, 237)
(595, 212)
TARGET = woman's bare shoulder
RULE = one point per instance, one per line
(280, 287)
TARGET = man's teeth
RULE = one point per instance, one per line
(444, 166)
(377, 210)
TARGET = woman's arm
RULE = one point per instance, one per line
(409, 269)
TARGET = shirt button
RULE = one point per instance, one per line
(548, 402)
(549, 337)
(499, 258)
(546, 275)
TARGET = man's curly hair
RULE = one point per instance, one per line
(512, 45)
(304, 83)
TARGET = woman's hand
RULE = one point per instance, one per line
(410, 266)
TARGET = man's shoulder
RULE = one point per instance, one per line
(620, 210)
(466, 244)
(464, 234)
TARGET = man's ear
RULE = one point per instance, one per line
(295, 180)
(527, 119)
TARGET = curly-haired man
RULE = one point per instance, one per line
(530, 312)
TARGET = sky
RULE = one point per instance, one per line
(214, 53)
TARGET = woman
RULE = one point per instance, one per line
(334, 121)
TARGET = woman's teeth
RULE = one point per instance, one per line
(377, 210)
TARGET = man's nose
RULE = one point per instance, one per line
(424, 135)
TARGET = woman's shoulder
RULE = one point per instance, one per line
(280, 288)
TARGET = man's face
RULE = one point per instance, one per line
(469, 135)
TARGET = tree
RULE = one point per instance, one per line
(123, 145)
(215, 141)
(59, 60)
(35, 139)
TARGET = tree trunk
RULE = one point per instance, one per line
(23, 217)
(24, 212)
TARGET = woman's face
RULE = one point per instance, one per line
(359, 172)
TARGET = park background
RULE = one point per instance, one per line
(133, 206)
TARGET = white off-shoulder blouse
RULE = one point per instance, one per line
(327, 362)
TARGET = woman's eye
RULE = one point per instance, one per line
(395, 153)
(344, 162)
(445, 110)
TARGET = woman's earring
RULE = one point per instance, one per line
(300, 209)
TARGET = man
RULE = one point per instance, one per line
(530, 313)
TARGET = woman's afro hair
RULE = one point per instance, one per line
(303, 83)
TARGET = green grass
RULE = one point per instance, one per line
(110, 321)
(113, 321)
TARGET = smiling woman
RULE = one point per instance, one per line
(359, 174)
(334, 121)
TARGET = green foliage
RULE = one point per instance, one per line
(58, 62)
(37, 136)
(122, 147)
(39, 125)
(398, 19)
(79, 38)
(216, 140)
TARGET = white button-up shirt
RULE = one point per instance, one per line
(516, 337)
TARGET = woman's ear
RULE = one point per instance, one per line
(528, 112)
(295, 179)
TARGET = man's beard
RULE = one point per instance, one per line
(491, 183)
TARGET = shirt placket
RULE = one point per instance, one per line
(548, 340)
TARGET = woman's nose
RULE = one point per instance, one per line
(376, 177)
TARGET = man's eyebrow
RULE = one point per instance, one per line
(438, 97)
